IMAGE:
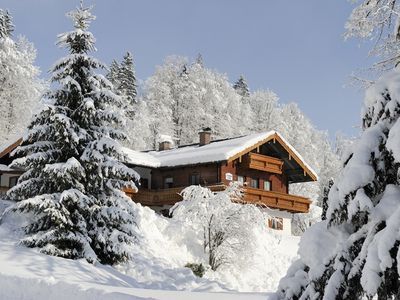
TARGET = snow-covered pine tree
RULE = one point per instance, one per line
(241, 87)
(113, 73)
(122, 76)
(19, 83)
(354, 253)
(127, 79)
(72, 187)
(6, 24)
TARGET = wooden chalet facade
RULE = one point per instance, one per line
(264, 163)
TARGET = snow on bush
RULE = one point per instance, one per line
(227, 228)
(166, 245)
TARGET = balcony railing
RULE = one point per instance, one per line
(165, 196)
(276, 200)
(271, 199)
(292, 203)
(263, 163)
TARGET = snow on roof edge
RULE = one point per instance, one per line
(299, 156)
(156, 159)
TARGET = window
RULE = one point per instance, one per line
(13, 181)
(267, 185)
(168, 182)
(194, 179)
(275, 223)
(240, 179)
(254, 183)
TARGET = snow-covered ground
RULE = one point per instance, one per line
(157, 271)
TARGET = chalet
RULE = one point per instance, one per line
(264, 163)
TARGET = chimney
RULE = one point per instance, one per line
(166, 145)
(205, 136)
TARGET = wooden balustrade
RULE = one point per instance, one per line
(165, 196)
(292, 203)
(275, 200)
(264, 163)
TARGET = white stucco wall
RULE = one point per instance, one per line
(286, 219)
(5, 179)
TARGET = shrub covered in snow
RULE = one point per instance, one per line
(354, 253)
(72, 187)
(227, 228)
(166, 245)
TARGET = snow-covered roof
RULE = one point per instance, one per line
(5, 168)
(220, 150)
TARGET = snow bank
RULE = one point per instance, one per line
(157, 270)
(167, 245)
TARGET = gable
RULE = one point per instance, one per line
(227, 150)
(295, 168)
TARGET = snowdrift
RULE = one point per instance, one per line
(157, 270)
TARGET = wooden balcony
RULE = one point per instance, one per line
(164, 196)
(276, 200)
(263, 163)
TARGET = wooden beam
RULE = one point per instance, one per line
(296, 158)
(11, 147)
(292, 155)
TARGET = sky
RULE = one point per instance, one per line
(295, 48)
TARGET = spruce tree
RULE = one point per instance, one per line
(6, 24)
(361, 231)
(112, 75)
(241, 87)
(127, 79)
(72, 188)
(122, 76)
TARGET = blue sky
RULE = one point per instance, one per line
(295, 48)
